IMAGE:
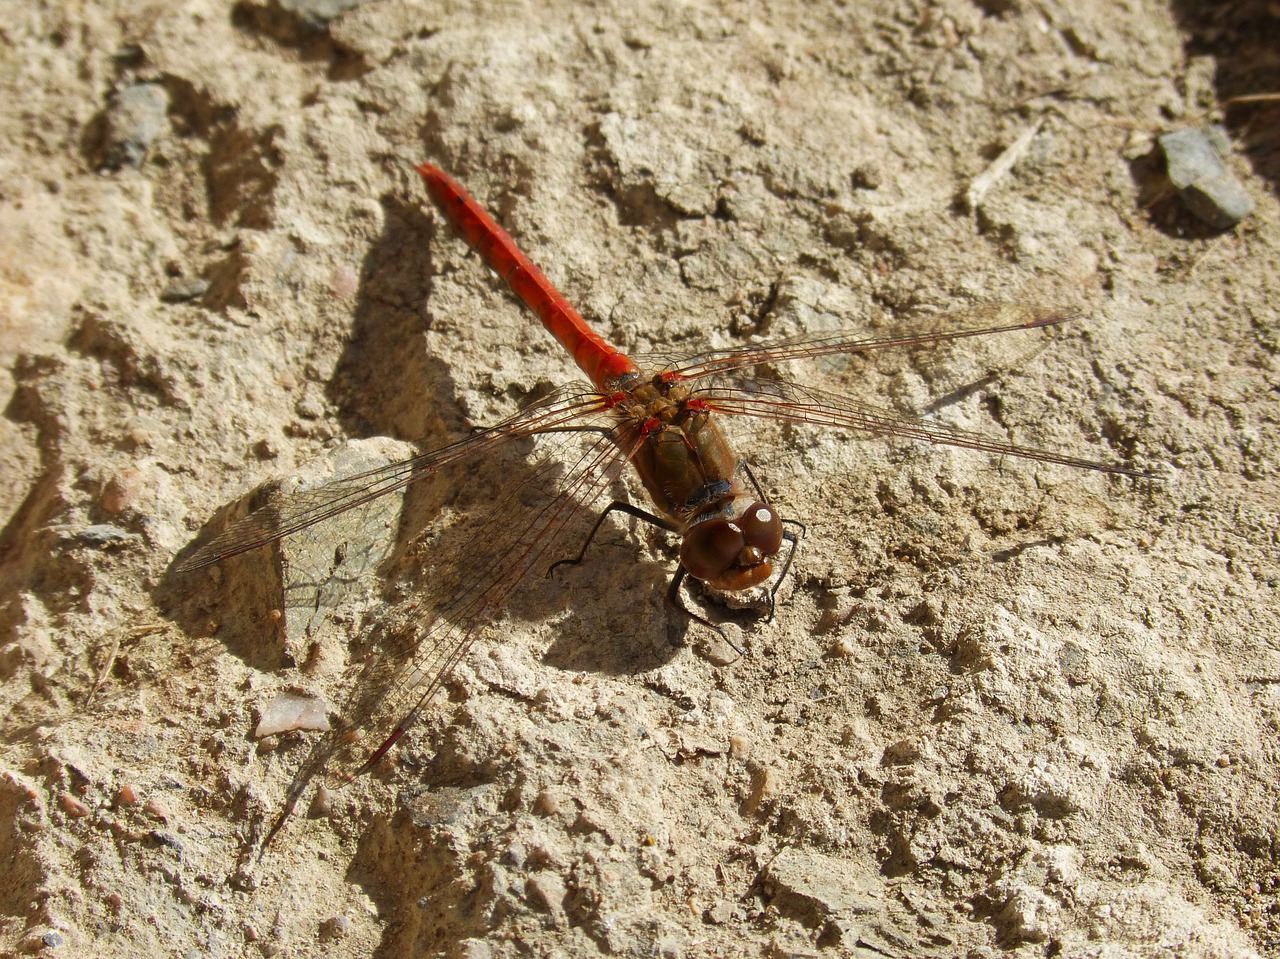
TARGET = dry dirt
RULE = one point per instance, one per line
(1005, 708)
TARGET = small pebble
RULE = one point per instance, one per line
(167, 839)
(136, 118)
(183, 289)
(73, 806)
(102, 535)
(120, 491)
(322, 804)
(1194, 159)
(335, 928)
(51, 939)
(127, 796)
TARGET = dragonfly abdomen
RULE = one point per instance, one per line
(604, 364)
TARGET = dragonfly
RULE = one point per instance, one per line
(663, 421)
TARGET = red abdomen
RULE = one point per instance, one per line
(604, 364)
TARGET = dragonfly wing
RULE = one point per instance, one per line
(571, 407)
(801, 404)
(464, 578)
(981, 320)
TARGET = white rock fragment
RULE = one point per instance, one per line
(1027, 914)
(292, 711)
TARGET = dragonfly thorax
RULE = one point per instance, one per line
(694, 478)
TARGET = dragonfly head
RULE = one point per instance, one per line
(733, 553)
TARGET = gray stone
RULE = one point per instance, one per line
(1194, 158)
(810, 887)
(182, 289)
(136, 118)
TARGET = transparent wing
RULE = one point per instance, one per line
(461, 580)
(567, 408)
(942, 328)
(803, 404)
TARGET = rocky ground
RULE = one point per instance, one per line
(1005, 708)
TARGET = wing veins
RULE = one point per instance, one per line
(306, 508)
(979, 321)
(822, 408)
(432, 651)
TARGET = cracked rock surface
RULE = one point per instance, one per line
(1004, 708)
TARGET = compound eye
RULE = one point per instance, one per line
(710, 548)
(762, 528)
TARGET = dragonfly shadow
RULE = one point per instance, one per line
(470, 552)
(387, 383)
(273, 601)
(628, 633)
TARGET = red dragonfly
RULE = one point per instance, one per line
(662, 421)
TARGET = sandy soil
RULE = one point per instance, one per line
(1005, 708)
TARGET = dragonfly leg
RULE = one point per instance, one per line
(621, 507)
(746, 467)
(673, 599)
(793, 537)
